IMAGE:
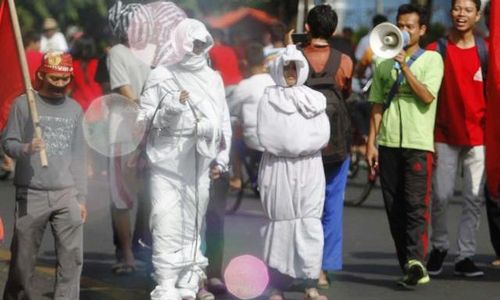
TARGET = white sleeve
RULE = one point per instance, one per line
(149, 101)
(222, 158)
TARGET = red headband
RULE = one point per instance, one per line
(56, 63)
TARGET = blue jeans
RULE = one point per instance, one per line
(336, 180)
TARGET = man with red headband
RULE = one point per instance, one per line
(54, 194)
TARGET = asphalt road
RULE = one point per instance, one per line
(370, 266)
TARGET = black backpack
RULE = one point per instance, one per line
(336, 108)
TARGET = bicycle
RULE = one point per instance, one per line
(360, 180)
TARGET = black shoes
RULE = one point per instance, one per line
(435, 262)
(467, 268)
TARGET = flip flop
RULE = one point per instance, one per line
(276, 295)
(124, 270)
(496, 263)
(313, 294)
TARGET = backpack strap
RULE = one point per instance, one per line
(395, 87)
(482, 51)
(441, 45)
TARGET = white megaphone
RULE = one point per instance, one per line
(387, 40)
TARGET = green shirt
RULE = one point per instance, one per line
(408, 122)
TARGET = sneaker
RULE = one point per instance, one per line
(416, 274)
(467, 268)
(435, 262)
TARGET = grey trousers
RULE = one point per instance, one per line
(448, 158)
(34, 210)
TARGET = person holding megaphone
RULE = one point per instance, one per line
(404, 96)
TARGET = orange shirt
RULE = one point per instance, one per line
(318, 57)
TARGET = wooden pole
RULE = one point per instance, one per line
(26, 78)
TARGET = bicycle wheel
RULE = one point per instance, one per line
(359, 188)
(4, 175)
(232, 205)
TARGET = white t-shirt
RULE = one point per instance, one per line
(57, 43)
(126, 69)
(244, 103)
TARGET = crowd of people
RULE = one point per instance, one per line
(199, 103)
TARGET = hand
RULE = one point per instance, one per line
(401, 59)
(36, 145)
(288, 37)
(215, 172)
(184, 97)
(372, 157)
(83, 212)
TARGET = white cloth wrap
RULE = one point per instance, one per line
(176, 149)
(292, 127)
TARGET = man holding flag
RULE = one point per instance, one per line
(52, 194)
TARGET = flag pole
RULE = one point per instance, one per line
(26, 78)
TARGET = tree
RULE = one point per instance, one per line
(89, 14)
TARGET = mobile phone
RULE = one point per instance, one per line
(300, 38)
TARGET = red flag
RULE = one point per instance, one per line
(493, 107)
(11, 84)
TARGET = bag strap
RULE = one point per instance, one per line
(148, 129)
(395, 87)
(482, 51)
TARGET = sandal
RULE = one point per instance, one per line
(276, 295)
(323, 283)
(313, 294)
(123, 269)
(496, 263)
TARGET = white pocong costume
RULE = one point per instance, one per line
(181, 151)
(292, 127)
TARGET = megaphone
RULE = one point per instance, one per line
(387, 40)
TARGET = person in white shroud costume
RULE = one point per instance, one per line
(293, 128)
(187, 145)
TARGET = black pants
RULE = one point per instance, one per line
(215, 225)
(493, 213)
(406, 176)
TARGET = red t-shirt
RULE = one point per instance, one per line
(85, 88)
(225, 61)
(461, 108)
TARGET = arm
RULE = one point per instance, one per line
(78, 161)
(344, 75)
(13, 136)
(419, 88)
(222, 158)
(126, 91)
(171, 105)
(119, 76)
(377, 97)
(375, 121)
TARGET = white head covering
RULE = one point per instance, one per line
(298, 97)
(183, 37)
(192, 73)
(145, 24)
